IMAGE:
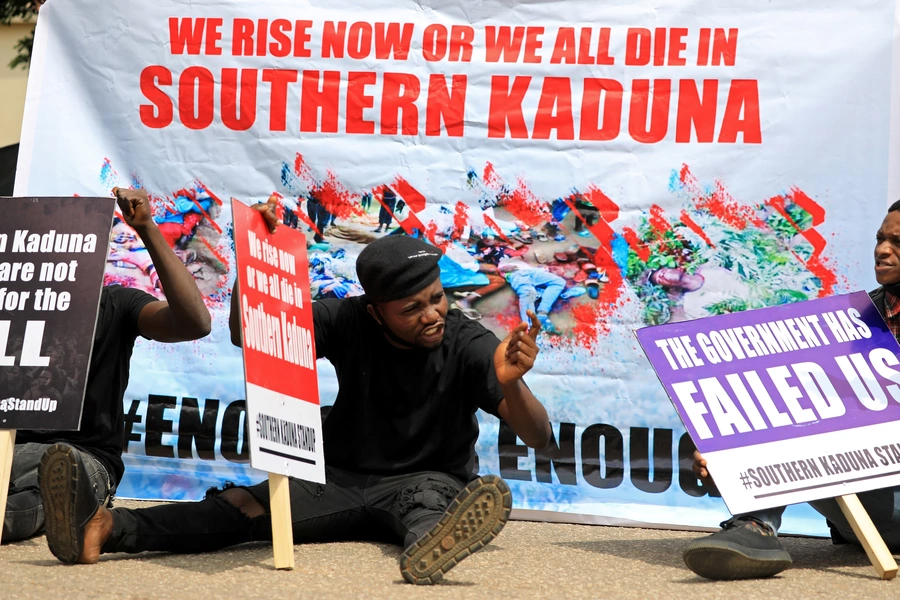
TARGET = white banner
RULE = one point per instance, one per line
(633, 163)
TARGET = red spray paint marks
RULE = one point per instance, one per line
(658, 223)
(816, 264)
(525, 206)
(634, 242)
(826, 275)
(460, 220)
(214, 252)
(414, 199)
(685, 218)
(493, 225)
(609, 210)
(490, 177)
(410, 224)
(209, 192)
(588, 323)
(333, 195)
(301, 214)
(719, 203)
(814, 209)
(431, 234)
(591, 319)
(520, 201)
(191, 194)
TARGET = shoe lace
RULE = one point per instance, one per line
(751, 522)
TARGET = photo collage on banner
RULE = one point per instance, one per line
(608, 165)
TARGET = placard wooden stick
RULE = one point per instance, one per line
(868, 536)
(282, 530)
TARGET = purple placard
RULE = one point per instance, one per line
(858, 342)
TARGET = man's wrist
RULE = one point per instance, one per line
(145, 228)
(511, 388)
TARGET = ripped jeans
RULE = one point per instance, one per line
(351, 506)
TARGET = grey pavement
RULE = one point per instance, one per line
(527, 560)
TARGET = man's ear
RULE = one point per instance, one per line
(374, 312)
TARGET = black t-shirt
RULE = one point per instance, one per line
(102, 430)
(404, 411)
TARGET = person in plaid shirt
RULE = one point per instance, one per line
(747, 545)
(887, 269)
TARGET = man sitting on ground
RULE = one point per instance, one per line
(748, 545)
(84, 467)
(399, 440)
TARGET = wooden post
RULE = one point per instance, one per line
(7, 447)
(282, 528)
(868, 536)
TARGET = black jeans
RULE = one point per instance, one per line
(351, 506)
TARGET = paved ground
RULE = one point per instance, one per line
(527, 560)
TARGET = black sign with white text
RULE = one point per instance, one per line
(52, 258)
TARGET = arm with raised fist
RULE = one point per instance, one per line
(182, 316)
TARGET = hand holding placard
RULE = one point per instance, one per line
(276, 331)
(788, 404)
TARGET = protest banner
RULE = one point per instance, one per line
(788, 404)
(611, 147)
(279, 364)
(52, 257)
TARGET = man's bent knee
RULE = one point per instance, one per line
(243, 501)
(430, 494)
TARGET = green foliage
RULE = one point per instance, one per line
(768, 257)
(729, 306)
(11, 10)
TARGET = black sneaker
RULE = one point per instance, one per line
(746, 548)
(69, 501)
(473, 519)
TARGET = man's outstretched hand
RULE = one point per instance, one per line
(135, 207)
(269, 211)
(516, 354)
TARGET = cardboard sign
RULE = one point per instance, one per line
(279, 348)
(52, 258)
(787, 404)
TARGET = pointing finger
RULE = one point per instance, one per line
(535, 329)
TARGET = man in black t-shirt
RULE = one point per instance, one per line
(399, 439)
(65, 471)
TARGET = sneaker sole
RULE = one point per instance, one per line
(472, 520)
(726, 561)
(58, 480)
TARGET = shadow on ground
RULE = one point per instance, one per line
(807, 553)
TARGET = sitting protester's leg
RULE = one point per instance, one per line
(437, 519)
(222, 519)
(328, 512)
(79, 533)
(409, 505)
(24, 507)
(883, 507)
(24, 514)
(746, 547)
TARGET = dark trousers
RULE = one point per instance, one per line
(351, 506)
(319, 216)
(384, 215)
